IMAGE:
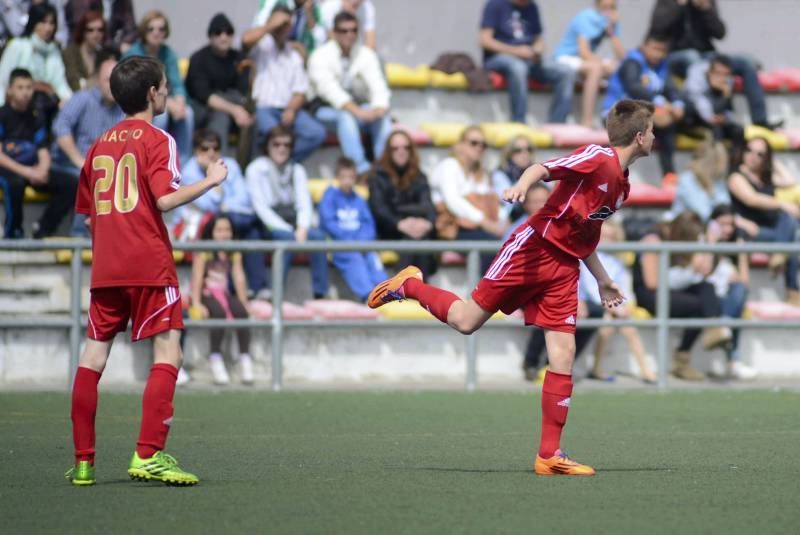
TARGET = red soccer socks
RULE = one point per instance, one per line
(84, 409)
(157, 409)
(433, 299)
(556, 392)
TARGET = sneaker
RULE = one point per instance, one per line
(81, 475)
(246, 369)
(160, 467)
(743, 372)
(183, 377)
(561, 464)
(392, 289)
(218, 371)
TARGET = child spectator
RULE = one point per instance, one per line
(79, 56)
(577, 50)
(24, 158)
(179, 119)
(400, 200)
(513, 45)
(730, 279)
(279, 192)
(703, 186)
(709, 88)
(535, 199)
(643, 74)
(346, 217)
(213, 273)
(516, 157)
(351, 91)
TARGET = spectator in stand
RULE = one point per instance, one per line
(84, 117)
(513, 45)
(346, 217)
(730, 279)
(121, 26)
(38, 53)
(213, 273)
(516, 157)
(279, 192)
(691, 294)
(703, 185)
(364, 10)
(24, 158)
(352, 93)
(79, 56)
(709, 88)
(307, 31)
(752, 195)
(217, 83)
(400, 200)
(693, 25)
(577, 50)
(643, 74)
(281, 83)
(534, 200)
(178, 119)
(468, 207)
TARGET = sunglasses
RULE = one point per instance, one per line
(398, 148)
(346, 30)
(226, 31)
(280, 144)
(478, 143)
(517, 150)
(154, 29)
(208, 148)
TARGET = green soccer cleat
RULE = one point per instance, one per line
(82, 474)
(160, 467)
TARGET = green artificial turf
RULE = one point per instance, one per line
(684, 462)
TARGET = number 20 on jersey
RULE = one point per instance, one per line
(122, 176)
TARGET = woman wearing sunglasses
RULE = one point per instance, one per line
(79, 56)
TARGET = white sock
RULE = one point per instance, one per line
(215, 356)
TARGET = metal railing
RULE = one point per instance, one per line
(661, 322)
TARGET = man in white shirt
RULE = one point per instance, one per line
(281, 84)
(348, 80)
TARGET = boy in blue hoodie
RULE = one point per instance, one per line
(346, 216)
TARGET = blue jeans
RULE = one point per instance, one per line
(361, 271)
(732, 305)
(309, 134)
(319, 261)
(517, 71)
(785, 230)
(249, 227)
(742, 66)
(181, 130)
(349, 130)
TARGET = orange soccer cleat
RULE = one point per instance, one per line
(561, 464)
(391, 289)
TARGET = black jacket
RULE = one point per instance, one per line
(689, 27)
(389, 205)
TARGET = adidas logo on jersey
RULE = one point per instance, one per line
(570, 320)
(564, 402)
(603, 187)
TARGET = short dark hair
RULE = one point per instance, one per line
(721, 210)
(344, 163)
(344, 16)
(281, 8)
(205, 135)
(106, 53)
(659, 37)
(627, 118)
(721, 59)
(278, 131)
(131, 81)
(19, 73)
(36, 14)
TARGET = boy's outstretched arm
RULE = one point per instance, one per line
(531, 176)
(215, 175)
(610, 294)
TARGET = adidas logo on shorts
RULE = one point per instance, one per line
(570, 320)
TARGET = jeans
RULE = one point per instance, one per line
(182, 130)
(732, 304)
(309, 134)
(361, 271)
(537, 346)
(249, 227)
(785, 230)
(349, 130)
(319, 261)
(517, 71)
(741, 65)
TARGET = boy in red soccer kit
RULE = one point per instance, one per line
(537, 268)
(132, 175)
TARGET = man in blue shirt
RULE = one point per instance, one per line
(577, 50)
(82, 120)
(513, 45)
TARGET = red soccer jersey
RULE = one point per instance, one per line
(592, 186)
(127, 169)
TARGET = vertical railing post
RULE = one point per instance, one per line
(278, 256)
(662, 319)
(76, 266)
(471, 341)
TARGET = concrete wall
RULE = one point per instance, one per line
(416, 31)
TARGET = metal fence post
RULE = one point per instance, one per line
(76, 266)
(662, 319)
(471, 341)
(278, 256)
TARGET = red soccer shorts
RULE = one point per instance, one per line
(532, 274)
(151, 309)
